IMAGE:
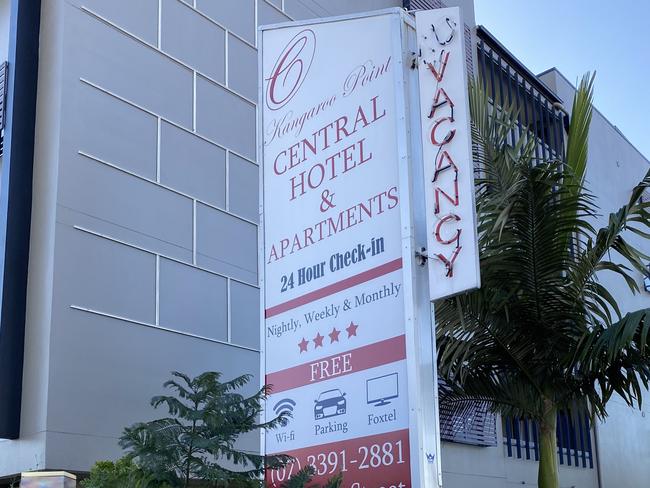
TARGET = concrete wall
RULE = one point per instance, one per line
(29, 451)
(144, 249)
(615, 166)
(5, 16)
(489, 467)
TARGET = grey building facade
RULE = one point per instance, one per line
(144, 212)
(143, 249)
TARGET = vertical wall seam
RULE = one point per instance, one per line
(256, 13)
(194, 232)
(157, 322)
(159, 40)
(158, 128)
(194, 101)
(226, 59)
(227, 176)
(228, 310)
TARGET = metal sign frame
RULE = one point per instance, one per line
(452, 242)
(424, 433)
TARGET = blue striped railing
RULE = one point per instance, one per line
(574, 447)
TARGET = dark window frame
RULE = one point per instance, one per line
(574, 443)
(16, 205)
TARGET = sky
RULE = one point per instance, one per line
(576, 36)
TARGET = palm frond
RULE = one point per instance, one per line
(578, 140)
(543, 329)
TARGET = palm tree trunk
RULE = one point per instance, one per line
(548, 476)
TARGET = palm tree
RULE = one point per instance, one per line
(542, 334)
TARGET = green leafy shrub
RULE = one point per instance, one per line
(206, 417)
(303, 477)
(187, 448)
(122, 473)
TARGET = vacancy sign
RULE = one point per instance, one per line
(335, 338)
(452, 247)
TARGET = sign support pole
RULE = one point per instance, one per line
(419, 313)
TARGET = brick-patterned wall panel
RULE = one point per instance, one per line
(155, 252)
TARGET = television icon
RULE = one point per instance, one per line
(382, 389)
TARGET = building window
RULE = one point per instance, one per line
(574, 446)
(3, 102)
(466, 422)
(509, 83)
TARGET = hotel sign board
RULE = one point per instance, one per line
(452, 245)
(347, 344)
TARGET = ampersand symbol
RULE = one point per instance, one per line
(326, 202)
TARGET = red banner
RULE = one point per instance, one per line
(376, 461)
(366, 357)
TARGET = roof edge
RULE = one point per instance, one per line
(609, 122)
(485, 34)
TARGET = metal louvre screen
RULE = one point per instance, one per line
(534, 103)
(574, 446)
(3, 101)
(466, 422)
(3, 92)
(423, 4)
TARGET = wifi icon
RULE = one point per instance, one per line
(284, 406)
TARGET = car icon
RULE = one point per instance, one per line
(329, 404)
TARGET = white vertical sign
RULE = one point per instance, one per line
(452, 245)
(342, 343)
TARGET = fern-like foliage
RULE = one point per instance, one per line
(197, 440)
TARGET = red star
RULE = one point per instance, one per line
(334, 335)
(318, 340)
(352, 329)
(303, 345)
